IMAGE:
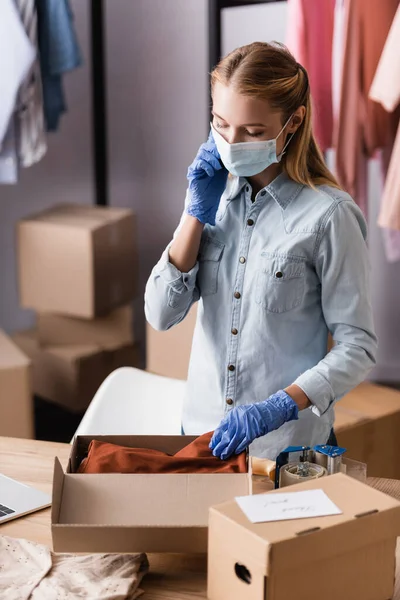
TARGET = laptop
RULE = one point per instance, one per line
(18, 499)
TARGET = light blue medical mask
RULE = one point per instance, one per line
(246, 159)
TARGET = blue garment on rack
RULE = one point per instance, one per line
(59, 53)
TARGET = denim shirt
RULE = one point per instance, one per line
(273, 277)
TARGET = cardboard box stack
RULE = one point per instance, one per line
(78, 271)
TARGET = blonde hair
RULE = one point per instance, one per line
(270, 72)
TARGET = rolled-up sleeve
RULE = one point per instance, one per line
(170, 293)
(342, 265)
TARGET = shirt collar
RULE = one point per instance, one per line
(282, 189)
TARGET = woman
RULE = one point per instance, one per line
(275, 254)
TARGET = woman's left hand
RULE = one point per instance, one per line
(245, 423)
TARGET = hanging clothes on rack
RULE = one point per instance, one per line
(16, 58)
(9, 163)
(32, 144)
(309, 37)
(59, 53)
(363, 127)
(385, 89)
(337, 56)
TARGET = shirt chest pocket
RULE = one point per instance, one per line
(280, 282)
(209, 258)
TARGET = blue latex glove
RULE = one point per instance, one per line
(247, 422)
(207, 181)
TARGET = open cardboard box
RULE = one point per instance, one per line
(350, 556)
(115, 512)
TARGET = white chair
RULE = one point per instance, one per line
(132, 401)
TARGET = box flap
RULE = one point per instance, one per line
(75, 215)
(10, 354)
(368, 516)
(73, 461)
(57, 492)
(167, 500)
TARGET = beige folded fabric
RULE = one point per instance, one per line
(29, 571)
(23, 565)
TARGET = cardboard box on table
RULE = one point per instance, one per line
(168, 352)
(113, 512)
(350, 556)
(16, 406)
(71, 375)
(77, 260)
(60, 330)
(367, 424)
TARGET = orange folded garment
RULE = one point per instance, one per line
(195, 458)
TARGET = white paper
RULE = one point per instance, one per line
(264, 508)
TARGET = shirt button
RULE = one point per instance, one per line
(242, 260)
(231, 367)
(234, 331)
(263, 193)
(247, 188)
(229, 401)
(250, 222)
(237, 295)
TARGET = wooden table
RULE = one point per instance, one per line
(171, 577)
(31, 462)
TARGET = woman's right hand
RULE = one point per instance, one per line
(207, 181)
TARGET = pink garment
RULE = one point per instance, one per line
(363, 126)
(309, 37)
(337, 56)
(386, 84)
(386, 90)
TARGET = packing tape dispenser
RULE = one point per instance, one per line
(301, 463)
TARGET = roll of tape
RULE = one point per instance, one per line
(293, 473)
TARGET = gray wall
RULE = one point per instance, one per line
(64, 175)
(157, 101)
(245, 24)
